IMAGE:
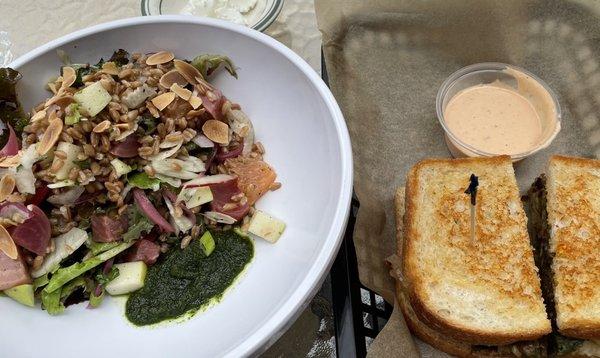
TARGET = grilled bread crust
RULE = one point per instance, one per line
(415, 325)
(573, 205)
(484, 291)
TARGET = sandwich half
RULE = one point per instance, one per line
(564, 209)
(471, 296)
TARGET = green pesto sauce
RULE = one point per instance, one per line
(186, 280)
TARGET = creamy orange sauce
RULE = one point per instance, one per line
(494, 119)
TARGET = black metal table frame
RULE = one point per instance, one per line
(355, 320)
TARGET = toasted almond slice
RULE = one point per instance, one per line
(52, 87)
(7, 245)
(183, 93)
(216, 131)
(110, 68)
(162, 101)
(171, 77)
(101, 127)
(188, 71)
(11, 161)
(7, 185)
(195, 102)
(51, 135)
(60, 100)
(38, 115)
(159, 58)
(69, 76)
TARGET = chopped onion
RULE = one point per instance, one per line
(209, 179)
(8, 210)
(12, 144)
(150, 211)
(68, 197)
(202, 141)
(219, 217)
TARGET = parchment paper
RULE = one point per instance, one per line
(386, 60)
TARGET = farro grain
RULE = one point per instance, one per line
(64, 136)
(244, 200)
(95, 168)
(164, 248)
(126, 73)
(181, 123)
(195, 231)
(73, 132)
(73, 173)
(56, 165)
(114, 114)
(230, 206)
(37, 262)
(174, 137)
(105, 143)
(132, 115)
(81, 156)
(161, 130)
(86, 126)
(145, 151)
(169, 125)
(146, 139)
(60, 154)
(186, 241)
(188, 133)
(122, 209)
(253, 154)
(88, 149)
(94, 139)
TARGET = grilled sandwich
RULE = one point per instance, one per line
(564, 211)
(471, 293)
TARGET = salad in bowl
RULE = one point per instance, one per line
(136, 176)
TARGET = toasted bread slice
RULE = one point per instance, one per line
(573, 205)
(484, 291)
(437, 339)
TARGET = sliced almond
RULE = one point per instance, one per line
(10, 162)
(52, 87)
(195, 102)
(171, 77)
(69, 76)
(159, 58)
(110, 68)
(162, 101)
(188, 71)
(61, 101)
(51, 135)
(183, 93)
(101, 127)
(7, 186)
(7, 245)
(38, 115)
(216, 131)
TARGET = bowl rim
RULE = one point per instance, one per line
(493, 67)
(274, 326)
(269, 15)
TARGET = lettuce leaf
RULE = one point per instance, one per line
(208, 64)
(143, 181)
(51, 302)
(10, 108)
(138, 223)
(66, 274)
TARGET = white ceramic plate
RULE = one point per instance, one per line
(307, 142)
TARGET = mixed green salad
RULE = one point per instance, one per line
(136, 176)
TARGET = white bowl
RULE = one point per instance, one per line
(307, 142)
